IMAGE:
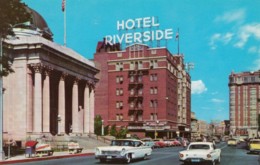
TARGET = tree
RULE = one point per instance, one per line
(11, 12)
(113, 131)
(97, 125)
(121, 134)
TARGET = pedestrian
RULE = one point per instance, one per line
(184, 143)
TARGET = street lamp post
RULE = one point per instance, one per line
(102, 127)
(2, 155)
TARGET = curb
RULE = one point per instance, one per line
(44, 158)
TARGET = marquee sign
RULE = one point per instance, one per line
(139, 30)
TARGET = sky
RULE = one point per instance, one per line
(217, 36)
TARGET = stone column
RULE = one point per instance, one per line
(29, 113)
(75, 107)
(86, 117)
(46, 101)
(61, 105)
(91, 109)
(37, 107)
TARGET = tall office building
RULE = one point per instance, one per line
(146, 90)
(244, 94)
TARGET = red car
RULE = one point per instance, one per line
(159, 143)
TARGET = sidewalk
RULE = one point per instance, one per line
(56, 155)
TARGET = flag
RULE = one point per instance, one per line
(63, 5)
(177, 36)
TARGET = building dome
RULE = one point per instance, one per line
(35, 26)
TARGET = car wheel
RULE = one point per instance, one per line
(102, 160)
(218, 161)
(145, 157)
(128, 158)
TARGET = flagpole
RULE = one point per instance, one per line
(178, 42)
(65, 10)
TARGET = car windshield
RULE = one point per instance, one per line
(255, 142)
(199, 146)
(232, 139)
(122, 143)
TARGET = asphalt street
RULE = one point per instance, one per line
(231, 155)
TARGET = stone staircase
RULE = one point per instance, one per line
(85, 142)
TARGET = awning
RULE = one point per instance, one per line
(31, 143)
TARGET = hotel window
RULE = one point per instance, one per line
(119, 66)
(132, 118)
(151, 64)
(121, 104)
(140, 91)
(132, 104)
(132, 92)
(121, 79)
(153, 77)
(245, 79)
(117, 104)
(155, 64)
(140, 78)
(121, 92)
(117, 92)
(132, 66)
(132, 79)
(151, 116)
(119, 54)
(117, 79)
(140, 105)
(252, 79)
(140, 65)
(140, 117)
(155, 90)
(153, 103)
(153, 51)
(121, 117)
(151, 90)
(117, 117)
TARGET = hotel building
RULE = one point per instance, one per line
(244, 94)
(147, 90)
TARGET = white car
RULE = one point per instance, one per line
(198, 152)
(124, 149)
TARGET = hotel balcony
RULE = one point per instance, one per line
(135, 96)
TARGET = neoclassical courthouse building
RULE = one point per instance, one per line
(51, 91)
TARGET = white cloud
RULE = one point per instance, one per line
(247, 31)
(214, 100)
(232, 16)
(222, 38)
(198, 87)
(256, 65)
(254, 50)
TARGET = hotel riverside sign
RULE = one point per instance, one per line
(135, 33)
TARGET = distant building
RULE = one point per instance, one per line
(144, 89)
(244, 95)
(203, 128)
(51, 91)
(194, 127)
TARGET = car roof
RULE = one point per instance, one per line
(208, 143)
(126, 140)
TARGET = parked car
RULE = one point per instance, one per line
(159, 143)
(149, 142)
(200, 152)
(254, 145)
(232, 142)
(123, 149)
